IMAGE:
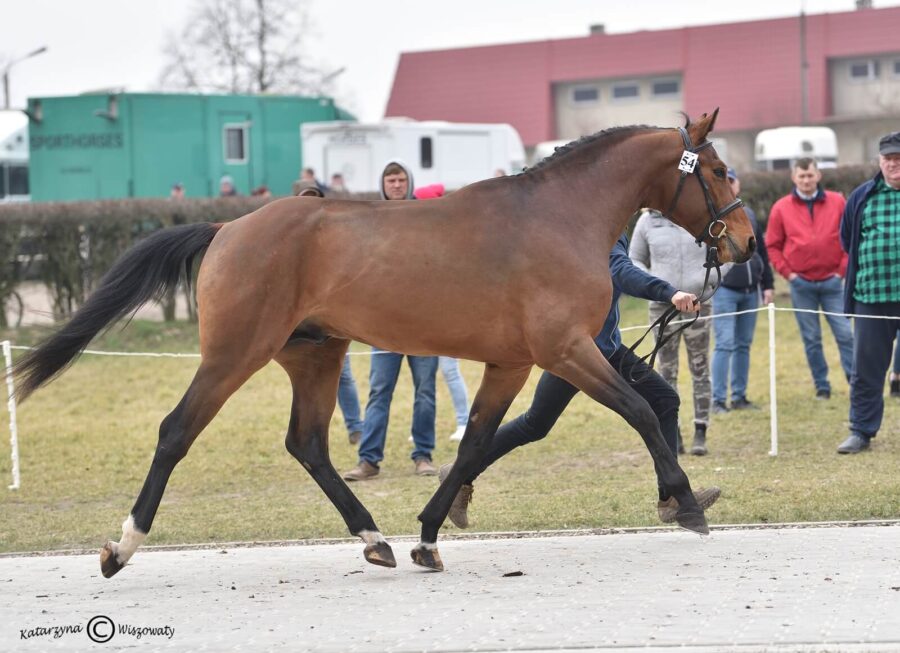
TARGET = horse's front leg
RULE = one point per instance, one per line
(314, 371)
(584, 366)
(499, 386)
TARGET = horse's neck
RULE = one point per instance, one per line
(600, 187)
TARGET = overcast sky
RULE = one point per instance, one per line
(117, 43)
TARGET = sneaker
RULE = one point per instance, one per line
(742, 403)
(362, 472)
(719, 407)
(424, 467)
(705, 497)
(853, 444)
(823, 394)
(895, 387)
(458, 509)
(457, 435)
(355, 437)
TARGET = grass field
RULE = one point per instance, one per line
(86, 442)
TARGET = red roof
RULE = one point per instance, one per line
(750, 70)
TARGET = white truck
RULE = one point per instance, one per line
(453, 154)
(777, 149)
(13, 156)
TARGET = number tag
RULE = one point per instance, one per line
(688, 162)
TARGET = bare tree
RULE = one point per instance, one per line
(242, 46)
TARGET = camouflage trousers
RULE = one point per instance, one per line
(696, 340)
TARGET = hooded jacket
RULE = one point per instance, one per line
(748, 276)
(662, 248)
(409, 190)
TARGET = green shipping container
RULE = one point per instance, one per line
(103, 146)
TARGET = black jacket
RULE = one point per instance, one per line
(748, 275)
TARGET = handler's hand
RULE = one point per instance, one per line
(768, 296)
(685, 302)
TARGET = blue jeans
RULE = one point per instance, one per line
(874, 339)
(348, 399)
(382, 380)
(896, 368)
(734, 335)
(828, 294)
(457, 387)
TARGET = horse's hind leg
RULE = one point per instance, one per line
(211, 386)
(585, 367)
(315, 372)
(499, 387)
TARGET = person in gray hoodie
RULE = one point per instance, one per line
(665, 250)
(397, 184)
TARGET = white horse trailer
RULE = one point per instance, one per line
(453, 154)
(778, 149)
(13, 156)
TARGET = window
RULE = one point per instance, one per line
(18, 180)
(896, 67)
(235, 140)
(864, 71)
(626, 91)
(665, 87)
(2, 181)
(426, 158)
(585, 94)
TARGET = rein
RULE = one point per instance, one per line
(688, 166)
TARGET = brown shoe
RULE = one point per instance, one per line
(355, 437)
(362, 472)
(669, 508)
(424, 467)
(458, 509)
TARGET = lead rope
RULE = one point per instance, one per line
(712, 261)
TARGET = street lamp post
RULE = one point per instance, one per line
(12, 63)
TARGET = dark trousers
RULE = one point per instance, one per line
(872, 347)
(553, 395)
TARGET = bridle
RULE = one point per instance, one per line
(688, 165)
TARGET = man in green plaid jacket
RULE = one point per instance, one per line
(870, 234)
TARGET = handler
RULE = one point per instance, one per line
(553, 394)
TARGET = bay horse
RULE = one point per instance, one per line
(509, 271)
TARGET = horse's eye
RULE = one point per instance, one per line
(719, 172)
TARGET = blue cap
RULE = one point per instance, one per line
(732, 174)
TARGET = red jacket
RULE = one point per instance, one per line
(807, 243)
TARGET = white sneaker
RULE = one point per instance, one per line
(457, 435)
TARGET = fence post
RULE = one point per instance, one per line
(11, 405)
(773, 398)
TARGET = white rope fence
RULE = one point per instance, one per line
(773, 404)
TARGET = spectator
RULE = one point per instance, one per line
(337, 183)
(668, 252)
(261, 191)
(499, 172)
(226, 187)
(553, 394)
(803, 243)
(309, 175)
(177, 191)
(870, 234)
(449, 367)
(396, 184)
(739, 292)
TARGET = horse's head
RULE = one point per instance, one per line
(697, 196)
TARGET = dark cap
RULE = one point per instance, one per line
(890, 144)
(732, 175)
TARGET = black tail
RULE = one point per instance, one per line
(144, 272)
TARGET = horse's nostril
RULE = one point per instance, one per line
(751, 244)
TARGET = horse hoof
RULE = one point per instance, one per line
(380, 554)
(693, 521)
(428, 558)
(109, 566)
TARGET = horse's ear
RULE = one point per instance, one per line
(703, 126)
